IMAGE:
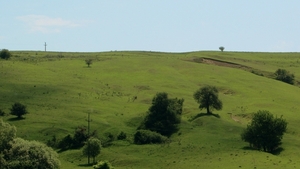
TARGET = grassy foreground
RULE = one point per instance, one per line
(59, 90)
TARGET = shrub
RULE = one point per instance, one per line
(148, 137)
(122, 136)
(2, 113)
(285, 76)
(103, 165)
(5, 54)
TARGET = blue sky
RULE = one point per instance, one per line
(150, 25)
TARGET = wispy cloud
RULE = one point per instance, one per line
(282, 46)
(45, 24)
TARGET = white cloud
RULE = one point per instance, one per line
(45, 24)
(282, 46)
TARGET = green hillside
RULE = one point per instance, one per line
(59, 91)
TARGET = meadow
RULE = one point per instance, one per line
(59, 90)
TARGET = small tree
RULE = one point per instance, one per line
(265, 132)
(208, 98)
(88, 62)
(164, 115)
(18, 110)
(285, 76)
(221, 48)
(5, 54)
(92, 148)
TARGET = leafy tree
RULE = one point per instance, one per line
(30, 154)
(88, 62)
(285, 76)
(5, 54)
(16, 153)
(221, 48)
(265, 131)
(208, 98)
(164, 115)
(7, 134)
(92, 148)
(18, 109)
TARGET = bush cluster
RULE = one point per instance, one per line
(76, 141)
(148, 137)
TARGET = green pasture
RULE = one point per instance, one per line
(59, 91)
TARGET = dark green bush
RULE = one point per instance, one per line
(5, 54)
(2, 113)
(164, 115)
(122, 136)
(148, 137)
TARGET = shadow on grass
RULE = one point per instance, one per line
(204, 114)
(16, 118)
(275, 152)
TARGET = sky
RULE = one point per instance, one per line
(150, 25)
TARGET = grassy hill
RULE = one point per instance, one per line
(59, 91)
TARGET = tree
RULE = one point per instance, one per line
(285, 76)
(208, 98)
(7, 134)
(18, 109)
(221, 48)
(5, 54)
(30, 154)
(17, 153)
(88, 62)
(164, 115)
(92, 148)
(265, 131)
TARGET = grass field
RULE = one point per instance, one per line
(59, 91)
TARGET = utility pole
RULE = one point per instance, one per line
(45, 46)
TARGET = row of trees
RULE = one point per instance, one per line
(164, 115)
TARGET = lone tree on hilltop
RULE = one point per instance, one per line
(221, 48)
(285, 76)
(208, 98)
(89, 62)
(18, 109)
(5, 54)
(265, 131)
(164, 115)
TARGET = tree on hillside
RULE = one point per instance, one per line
(7, 134)
(265, 131)
(5, 54)
(88, 62)
(92, 148)
(17, 153)
(221, 48)
(164, 115)
(18, 110)
(30, 154)
(208, 98)
(285, 76)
